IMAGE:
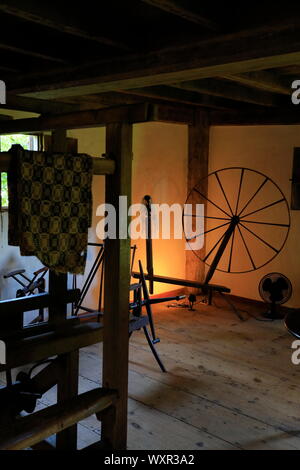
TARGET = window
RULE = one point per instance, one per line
(28, 142)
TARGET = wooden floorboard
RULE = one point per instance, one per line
(229, 385)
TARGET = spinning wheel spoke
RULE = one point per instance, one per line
(207, 231)
(259, 238)
(214, 247)
(231, 250)
(206, 217)
(255, 194)
(247, 249)
(239, 192)
(222, 189)
(264, 223)
(211, 202)
(265, 207)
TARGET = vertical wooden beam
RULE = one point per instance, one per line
(198, 150)
(67, 386)
(116, 290)
(58, 282)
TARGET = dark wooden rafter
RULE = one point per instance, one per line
(174, 7)
(187, 96)
(80, 119)
(288, 116)
(241, 52)
(30, 53)
(4, 68)
(53, 21)
(5, 117)
(23, 103)
(262, 80)
(231, 91)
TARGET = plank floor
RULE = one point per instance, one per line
(230, 384)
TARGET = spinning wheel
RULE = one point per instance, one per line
(246, 220)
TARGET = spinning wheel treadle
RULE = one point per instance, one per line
(246, 220)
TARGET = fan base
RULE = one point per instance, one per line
(271, 315)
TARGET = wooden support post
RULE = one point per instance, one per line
(198, 151)
(116, 291)
(67, 386)
(58, 282)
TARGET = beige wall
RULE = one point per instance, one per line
(160, 170)
(268, 149)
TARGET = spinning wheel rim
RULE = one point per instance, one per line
(228, 217)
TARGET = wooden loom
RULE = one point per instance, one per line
(62, 337)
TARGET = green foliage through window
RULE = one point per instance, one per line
(6, 141)
(4, 190)
(28, 142)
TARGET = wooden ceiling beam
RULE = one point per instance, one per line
(95, 118)
(33, 105)
(173, 7)
(227, 90)
(232, 54)
(4, 117)
(26, 52)
(187, 97)
(25, 12)
(268, 117)
(267, 81)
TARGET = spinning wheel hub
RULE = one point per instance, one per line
(235, 220)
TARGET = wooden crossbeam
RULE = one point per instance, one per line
(30, 53)
(179, 94)
(34, 428)
(41, 346)
(173, 7)
(33, 302)
(267, 81)
(183, 282)
(51, 19)
(23, 103)
(5, 117)
(101, 166)
(231, 91)
(241, 52)
(284, 116)
(80, 119)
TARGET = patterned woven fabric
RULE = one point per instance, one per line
(50, 207)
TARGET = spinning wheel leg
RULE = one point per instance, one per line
(154, 352)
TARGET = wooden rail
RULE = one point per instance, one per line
(102, 166)
(39, 347)
(32, 429)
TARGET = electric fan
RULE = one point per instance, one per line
(275, 289)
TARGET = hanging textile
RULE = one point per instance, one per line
(50, 207)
